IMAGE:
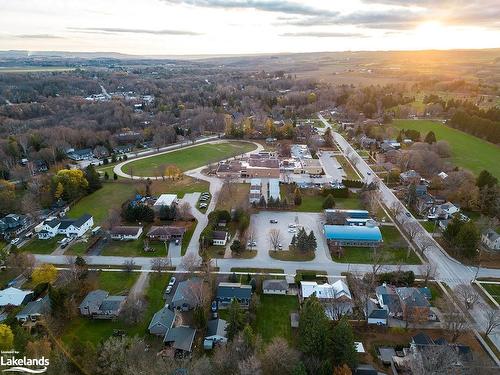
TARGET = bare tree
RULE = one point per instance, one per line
(159, 264)
(190, 262)
(251, 236)
(467, 294)
(129, 265)
(184, 211)
(133, 310)
(427, 271)
(424, 243)
(412, 228)
(396, 209)
(113, 218)
(493, 320)
(454, 320)
(334, 307)
(275, 238)
(199, 292)
(435, 359)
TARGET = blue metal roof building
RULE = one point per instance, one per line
(352, 214)
(346, 235)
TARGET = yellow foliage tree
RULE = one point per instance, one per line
(172, 171)
(342, 370)
(228, 125)
(59, 190)
(248, 126)
(269, 128)
(44, 273)
(73, 181)
(311, 97)
(6, 337)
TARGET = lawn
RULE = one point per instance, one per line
(467, 151)
(134, 248)
(82, 329)
(189, 158)
(429, 226)
(117, 282)
(351, 174)
(257, 270)
(233, 195)
(493, 289)
(273, 317)
(394, 248)
(37, 246)
(77, 248)
(291, 255)
(186, 239)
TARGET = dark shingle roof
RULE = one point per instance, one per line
(216, 327)
(165, 317)
(421, 339)
(234, 290)
(182, 337)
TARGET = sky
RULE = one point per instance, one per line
(193, 27)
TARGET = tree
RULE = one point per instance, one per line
(427, 271)
(342, 370)
(279, 358)
(235, 319)
(73, 181)
(297, 197)
(115, 176)
(467, 295)
(190, 262)
(59, 191)
(173, 172)
(328, 138)
(93, 179)
(329, 202)
(275, 238)
(430, 138)
(184, 211)
(454, 320)
(129, 265)
(485, 178)
(199, 317)
(106, 176)
(493, 320)
(412, 228)
(44, 273)
(343, 348)
(311, 241)
(6, 337)
(424, 243)
(133, 310)
(237, 247)
(39, 348)
(159, 264)
(315, 335)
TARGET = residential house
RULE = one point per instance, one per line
(39, 166)
(375, 314)
(255, 190)
(227, 292)
(216, 333)
(365, 369)
(98, 304)
(414, 304)
(180, 338)
(166, 233)
(409, 177)
(367, 142)
(421, 341)
(34, 310)
(68, 227)
(491, 239)
(187, 294)
(100, 152)
(349, 235)
(336, 297)
(161, 322)
(14, 297)
(420, 190)
(165, 200)
(126, 233)
(12, 224)
(388, 299)
(274, 286)
(78, 155)
(219, 237)
(443, 211)
(424, 203)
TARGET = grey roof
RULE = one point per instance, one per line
(216, 327)
(65, 223)
(234, 290)
(421, 339)
(182, 337)
(53, 222)
(112, 303)
(386, 354)
(40, 306)
(274, 284)
(83, 151)
(374, 312)
(123, 230)
(413, 297)
(219, 235)
(492, 235)
(182, 293)
(164, 317)
(82, 220)
(94, 298)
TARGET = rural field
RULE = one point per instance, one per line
(468, 152)
(188, 158)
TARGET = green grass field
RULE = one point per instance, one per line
(188, 158)
(134, 249)
(467, 151)
(37, 246)
(273, 316)
(394, 248)
(493, 289)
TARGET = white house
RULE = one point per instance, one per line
(68, 227)
(491, 239)
(337, 290)
(165, 200)
(126, 233)
(219, 237)
(14, 297)
(274, 286)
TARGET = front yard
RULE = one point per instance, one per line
(37, 246)
(292, 255)
(134, 248)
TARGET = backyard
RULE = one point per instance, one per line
(394, 250)
(188, 158)
(485, 155)
(273, 316)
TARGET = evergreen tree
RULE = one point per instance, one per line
(467, 239)
(297, 198)
(412, 194)
(311, 241)
(430, 138)
(343, 349)
(294, 241)
(199, 317)
(485, 178)
(106, 176)
(235, 319)
(115, 176)
(315, 334)
(302, 240)
(329, 202)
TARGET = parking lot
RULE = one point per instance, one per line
(331, 166)
(261, 225)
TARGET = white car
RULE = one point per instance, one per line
(292, 230)
(15, 241)
(169, 289)
(172, 281)
(292, 225)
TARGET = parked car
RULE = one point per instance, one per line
(273, 221)
(177, 242)
(251, 244)
(369, 173)
(172, 281)
(168, 290)
(291, 225)
(15, 241)
(292, 230)
(280, 246)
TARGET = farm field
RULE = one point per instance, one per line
(467, 151)
(189, 158)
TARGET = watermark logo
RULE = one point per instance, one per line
(23, 365)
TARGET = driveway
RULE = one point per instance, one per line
(331, 166)
(174, 251)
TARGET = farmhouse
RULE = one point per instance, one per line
(14, 297)
(491, 239)
(98, 304)
(346, 235)
(219, 237)
(274, 286)
(335, 297)
(166, 233)
(227, 292)
(68, 227)
(125, 233)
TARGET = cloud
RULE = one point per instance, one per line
(38, 36)
(117, 30)
(320, 34)
(277, 6)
